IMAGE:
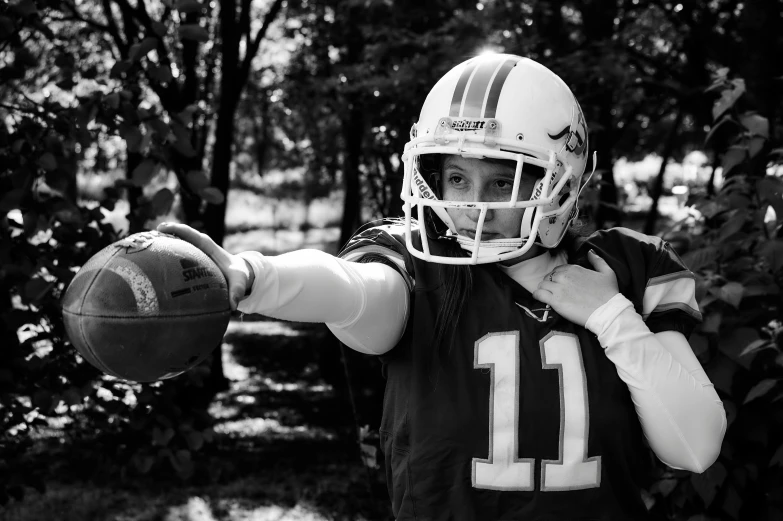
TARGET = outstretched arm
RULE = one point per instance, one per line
(364, 304)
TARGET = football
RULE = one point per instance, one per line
(148, 307)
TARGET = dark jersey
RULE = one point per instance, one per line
(524, 418)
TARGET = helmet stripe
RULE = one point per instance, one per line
(459, 91)
(497, 86)
(474, 99)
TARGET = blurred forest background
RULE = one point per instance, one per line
(275, 125)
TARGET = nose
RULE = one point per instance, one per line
(474, 215)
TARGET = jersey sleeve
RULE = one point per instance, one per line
(652, 275)
(381, 241)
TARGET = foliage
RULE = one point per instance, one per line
(737, 257)
(74, 82)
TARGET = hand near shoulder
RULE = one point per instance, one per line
(575, 292)
(234, 268)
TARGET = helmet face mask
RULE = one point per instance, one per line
(535, 121)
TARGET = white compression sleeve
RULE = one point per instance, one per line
(364, 304)
(680, 412)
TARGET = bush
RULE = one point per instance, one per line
(738, 261)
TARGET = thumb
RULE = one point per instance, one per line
(600, 265)
(235, 294)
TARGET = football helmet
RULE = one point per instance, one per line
(497, 106)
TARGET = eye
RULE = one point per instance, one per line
(455, 179)
(504, 184)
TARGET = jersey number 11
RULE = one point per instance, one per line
(504, 469)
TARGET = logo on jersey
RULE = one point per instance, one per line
(539, 314)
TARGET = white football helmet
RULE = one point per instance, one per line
(504, 107)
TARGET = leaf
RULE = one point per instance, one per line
(197, 180)
(733, 157)
(24, 7)
(698, 259)
(212, 195)
(159, 28)
(772, 251)
(72, 396)
(193, 32)
(731, 292)
(756, 345)
(707, 483)
(47, 161)
(189, 6)
(162, 201)
(699, 344)
(132, 136)
(143, 463)
(712, 322)
(141, 49)
(665, 486)
(182, 140)
(195, 440)
(731, 226)
(7, 27)
(728, 97)
(112, 100)
(369, 455)
(11, 200)
(162, 437)
(144, 172)
(732, 502)
(735, 341)
(161, 73)
(43, 400)
(760, 389)
(120, 68)
(36, 289)
(777, 458)
(755, 146)
(770, 190)
(756, 124)
(182, 463)
(186, 116)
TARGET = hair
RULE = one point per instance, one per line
(458, 279)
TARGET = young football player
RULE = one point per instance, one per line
(528, 369)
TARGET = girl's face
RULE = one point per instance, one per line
(466, 179)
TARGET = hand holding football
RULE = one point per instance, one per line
(148, 307)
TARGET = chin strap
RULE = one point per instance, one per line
(595, 162)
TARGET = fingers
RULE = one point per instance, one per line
(598, 263)
(543, 295)
(200, 240)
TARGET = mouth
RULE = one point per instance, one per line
(485, 236)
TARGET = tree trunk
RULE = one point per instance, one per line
(760, 27)
(598, 21)
(353, 130)
(657, 188)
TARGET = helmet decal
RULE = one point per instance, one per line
(477, 84)
(575, 140)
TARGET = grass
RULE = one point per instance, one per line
(283, 432)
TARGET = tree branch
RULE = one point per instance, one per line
(252, 50)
